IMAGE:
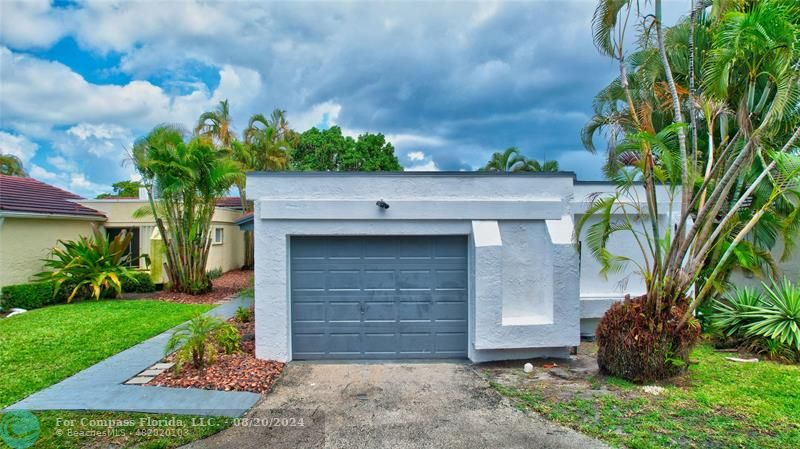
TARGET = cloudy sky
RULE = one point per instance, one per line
(448, 83)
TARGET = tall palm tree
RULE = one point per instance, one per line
(216, 125)
(11, 165)
(184, 180)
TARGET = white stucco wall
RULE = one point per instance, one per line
(524, 293)
(598, 292)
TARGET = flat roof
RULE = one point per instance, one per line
(559, 174)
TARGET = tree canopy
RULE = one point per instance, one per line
(329, 150)
(122, 189)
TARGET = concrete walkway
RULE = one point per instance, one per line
(388, 405)
(100, 387)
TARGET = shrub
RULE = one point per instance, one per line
(769, 324)
(778, 316)
(29, 296)
(728, 314)
(228, 338)
(215, 273)
(139, 282)
(243, 315)
(97, 263)
(631, 345)
(196, 341)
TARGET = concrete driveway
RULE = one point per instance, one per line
(421, 405)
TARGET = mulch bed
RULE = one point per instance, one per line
(223, 287)
(234, 372)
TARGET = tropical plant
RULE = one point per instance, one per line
(214, 273)
(184, 180)
(752, 67)
(196, 341)
(216, 125)
(95, 263)
(11, 165)
(243, 315)
(229, 338)
(777, 317)
(511, 160)
(729, 312)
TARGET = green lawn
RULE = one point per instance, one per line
(719, 404)
(76, 430)
(44, 346)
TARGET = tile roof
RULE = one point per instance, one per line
(230, 201)
(32, 196)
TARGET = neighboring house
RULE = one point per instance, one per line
(475, 265)
(227, 247)
(34, 216)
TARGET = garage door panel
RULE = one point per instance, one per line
(379, 297)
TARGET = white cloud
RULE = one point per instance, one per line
(427, 166)
(75, 182)
(31, 23)
(416, 156)
(42, 174)
(326, 112)
(40, 91)
(18, 146)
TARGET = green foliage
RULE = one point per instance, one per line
(228, 337)
(138, 282)
(329, 150)
(728, 314)
(196, 341)
(777, 317)
(243, 315)
(511, 160)
(122, 189)
(215, 273)
(42, 347)
(30, 296)
(11, 165)
(184, 180)
(96, 263)
(768, 323)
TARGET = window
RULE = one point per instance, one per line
(218, 234)
(133, 250)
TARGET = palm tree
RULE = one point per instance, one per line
(184, 180)
(535, 166)
(11, 165)
(509, 160)
(216, 125)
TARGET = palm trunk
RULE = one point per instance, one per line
(686, 193)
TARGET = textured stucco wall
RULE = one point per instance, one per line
(25, 241)
(530, 281)
(228, 256)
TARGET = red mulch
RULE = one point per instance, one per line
(240, 372)
(222, 288)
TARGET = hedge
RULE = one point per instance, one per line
(32, 295)
(39, 294)
(141, 283)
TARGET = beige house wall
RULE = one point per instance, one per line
(24, 242)
(228, 256)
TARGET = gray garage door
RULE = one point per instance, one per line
(379, 297)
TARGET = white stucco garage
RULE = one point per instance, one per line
(477, 265)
